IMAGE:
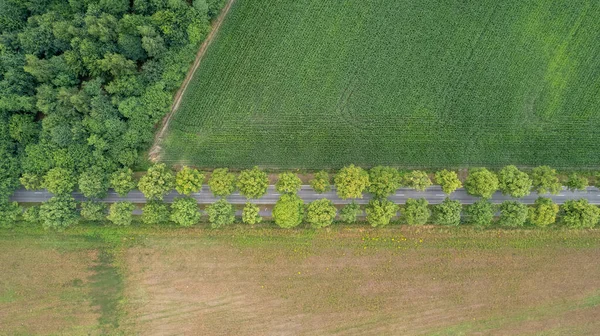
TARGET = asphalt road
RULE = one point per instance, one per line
(433, 195)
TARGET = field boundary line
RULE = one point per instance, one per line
(154, 153)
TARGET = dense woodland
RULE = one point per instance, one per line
(84, 82)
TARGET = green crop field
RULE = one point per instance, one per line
(432, 83)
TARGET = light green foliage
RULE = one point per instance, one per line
(350, 212)
(31, 181)
(253, 183)
(222, 182)
(416, 211)
(59, 212)
(418, 180)
(351, 181)
(220, 213)
(383, 181)
(481, 182)
(157, 182)
(121, 213)
(155, 212)
(288, 212)
(59, 181)
(93, 182)
(188, 180)
(31, 215)
(122, 181)
(93, 210)
(251, 214)
(480, 213)
(447, 212)
(580, 214)
(576, 182)
(543, 212)
(380, 212)
(448, 180)
(185, 212)
(320, 213)
(545, 180)
(288, 183)
(514, 182)
(320, 182)
(513, 214)
(9, 213)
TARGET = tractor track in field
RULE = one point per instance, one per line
(154, 153)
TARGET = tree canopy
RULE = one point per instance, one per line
(220, 213)
(448, 180)
(157, 182)
(320, 213)
(351, 181)
(93, 211)
(288, 212)
(251, 214)
(416, 211)
(383, 181)
(481, 182)
(122, 181)
(121, 213)
(253, 183)
(447, 212)
(185, 212)
(350, 212)
(514, 182)
(380, 212)
(94, 183)
(480, 213)
(418, 180)
(543, 212)
(545, 180)
(222, 182)
(579, 214)
(576, 182)
(59, 212)
(155, 212)
(288, 183)
(320, 182)
(188, 180)
(512, 214)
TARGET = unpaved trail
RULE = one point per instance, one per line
(154, 154)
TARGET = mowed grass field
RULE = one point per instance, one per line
(265, 281)
(433, 83)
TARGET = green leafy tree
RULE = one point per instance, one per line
(220, 213)
(59, 181)
(253, 183)
(543, 212)
(157, 182)
(94, 182)
(545, 180)
(288, 212)
(31, 215)
(416, 211)
(31, 181)
(418, 180)
(447, 212)
(513, 214)
(380, 212)
(9, 213)
(576, 182)
(580, 214)
(320, 182)
(448, 180)
(320, 213)
(121, 213)
(155, 212)
(383, 181)
(93, 210)
(288, 183)
(122, 181)
(185, 212)
(350, 212)
(59, 212)
(188, 180)
(514, 182)
(251, 214)
(222, 182)
(481, 182)
(480, 213)
(351, 181)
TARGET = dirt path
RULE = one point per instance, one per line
(154, 154)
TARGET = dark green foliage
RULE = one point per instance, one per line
(513, 214)
(31, 215)
(447, 212)
(320, 213)
(480, 213)
(481, 182)
(576, 182)
(350, 212)
(288, 183)
(383, 181)
(155, 212)
(121, 213)
(545, 180)
(222, 182)
(514, 182)
(220, 213)
(288, 212)
(93, 182)
(9, 213)
(185, 212)
(320, 182)
(93, 210)
(380, 212)
(59, 212)
(543, 212)
(59, 181)
(580, 214)
(253, 183)
(416, 211)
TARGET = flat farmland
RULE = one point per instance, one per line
(444, 83)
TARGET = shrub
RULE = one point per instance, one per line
(383, 181)
(155, 212)
(222, 182)
(288, 211)
(481, 182)
(543, 212)
(580, 214)
(253, 183)
(545, 180)
(576, 182)
(480, 213)
(320, 182)
(288, 183)
(351, 181)
(447, 212)
(320, 213)
(416, 211)
(251, 214)
(188, 180)
(220, 213)
(93, 210)
(121, 213)
(418, 180)
(514, 182)
(512, 214)
(350, 212)
(9, 213)
(157, 182)
(122, 181)
(448, 180)
(380, 212)
(185, 212)
(31, 215)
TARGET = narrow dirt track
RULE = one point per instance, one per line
(154, 153)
